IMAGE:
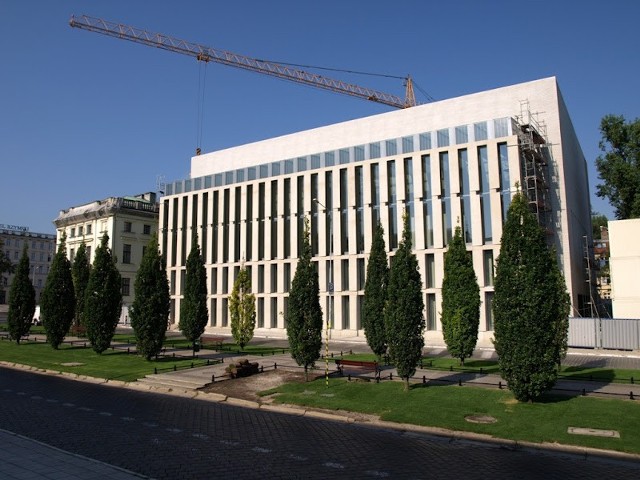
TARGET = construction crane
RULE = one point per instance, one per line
(208, 54)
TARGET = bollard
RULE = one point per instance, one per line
(261, 368)
(350, 352)
(85, 344)
(584, 392)
(390, 376)
(331, 354)
(174, 354)
(213, 378)
(155, 370)
(207, 362)
(349, 377)
(459, 382)
(128, 351)
(451, 368)
(275, 366)
(174, 367)
(480, 369)
(424, 379)
(191, 364)
(631, 396)
(631, 380)
(500, 385)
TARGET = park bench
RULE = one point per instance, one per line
(78, 331)
(358, 368)
(211, 341)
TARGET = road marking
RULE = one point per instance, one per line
(127, 419)
(201, 436)
(21, 393)
(229, 442)
(376, 473)
(86, 409)
(298, 457)
(105, 414)
(174, 430)
(261, 450)
(339, 466)
(36, 397)
(150, 424)
(7, 390)
(67, 404)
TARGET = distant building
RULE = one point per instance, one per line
(128, 221)
(625, 264)
(601, 256)
(41, 248)
(452, 162)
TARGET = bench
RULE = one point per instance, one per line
(78, 331)
(211, 341)
(358, 368)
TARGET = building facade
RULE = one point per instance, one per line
(41, 249)
(624, 264)
(447, 163)
(129, 222)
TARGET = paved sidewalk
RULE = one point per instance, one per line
(23, 458)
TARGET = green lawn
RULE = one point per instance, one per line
(111, 364)
(447, 407)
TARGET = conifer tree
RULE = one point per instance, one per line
(80, 272)
(375, 294)
(460, 300)
(22, 300)
(57, 303)
(404, 321)
(194, 313)
(242, 309)
(304, 321)
(150, 309)
(103, 298)
(531, 306)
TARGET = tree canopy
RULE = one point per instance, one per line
(80, 272)
(150, 309)
(58, 301)
(460, 300)
(103, 298)
(242, 309)
(531, 306)
(304, 319)
(22, 299)
(194, 313)
(619, 166)
(404, 320)
(375, 294)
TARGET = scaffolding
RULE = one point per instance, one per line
(535, 158)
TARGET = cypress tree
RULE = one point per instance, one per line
(531, 306)
(375, 294)
(103, 298)
(194, 313)
(80, 273)
(242, 309)
(304, 321)
(404, 321)
(460, 300)
(58, 300)
(150, 309)
(22, 300)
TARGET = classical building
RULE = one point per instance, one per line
(41, 248)
(624, 264)
(456, 161)
(128, 221)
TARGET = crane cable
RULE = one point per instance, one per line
(202, 84)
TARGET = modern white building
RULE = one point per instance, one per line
(128, 221)
(456, 160)
(624, 263)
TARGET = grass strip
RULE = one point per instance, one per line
(447, 406)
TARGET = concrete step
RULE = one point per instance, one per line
(174, 381)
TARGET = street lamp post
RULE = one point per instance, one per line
(329, 295)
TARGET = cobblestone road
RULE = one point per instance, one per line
(168, 437)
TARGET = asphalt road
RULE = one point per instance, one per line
(169, 437)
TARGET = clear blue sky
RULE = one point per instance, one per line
(84, 116)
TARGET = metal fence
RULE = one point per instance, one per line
(610, 333)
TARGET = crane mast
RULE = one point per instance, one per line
(208, 54)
